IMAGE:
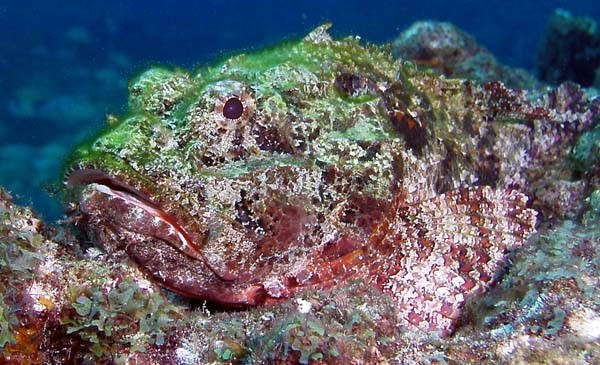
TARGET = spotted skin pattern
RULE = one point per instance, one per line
(310, 165)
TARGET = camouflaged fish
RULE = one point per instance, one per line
(311, 164)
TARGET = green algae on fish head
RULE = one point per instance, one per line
(292, 188)
(176, 163)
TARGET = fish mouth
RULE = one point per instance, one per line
(164, 225)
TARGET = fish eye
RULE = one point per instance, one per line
(233, 108)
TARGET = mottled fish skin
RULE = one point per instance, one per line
(341, 163)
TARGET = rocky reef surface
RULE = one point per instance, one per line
(446, 49)
(319, 202)
(570, 50)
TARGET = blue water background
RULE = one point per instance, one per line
(64, 64)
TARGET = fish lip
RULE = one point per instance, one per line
(115, 187)
(88, 176)
(109, 185)
(253, 295)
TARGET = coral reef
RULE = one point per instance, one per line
(570, 51)
(317, 202)
(451, 52)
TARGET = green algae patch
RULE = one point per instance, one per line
(6, 335)
(125, 316)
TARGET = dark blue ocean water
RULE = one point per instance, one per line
(65, 64)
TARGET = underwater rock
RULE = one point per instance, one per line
(549, 297)
(570, 50)
(355, 207)
(451, 52)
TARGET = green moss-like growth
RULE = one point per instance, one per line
(157, 90)
(322, 327)
(126, 317)
(231, 345)
(18, 260)
(586, 151)
(592, 216)
(340, 331)
(536, 296)
(18, 256)
(305, 337)
(6, 335)
(567, 252)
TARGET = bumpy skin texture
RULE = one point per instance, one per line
(345, 163)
